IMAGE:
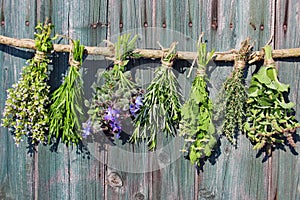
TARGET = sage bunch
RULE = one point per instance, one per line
(270, 116)
(67, 101)
(235, 96)
(116, 97)
(26, 106)
(160, 112)
(196, 125)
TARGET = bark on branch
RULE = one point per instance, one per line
(147, 53)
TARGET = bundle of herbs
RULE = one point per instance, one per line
(116, 97)
(26, 107)
(234, 96)
(196, 125)
(270, 116)
(66, 107)
(160, 112)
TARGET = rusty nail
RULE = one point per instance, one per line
(145, 24)
(231, 25)
(2, 23)
(214, 25)
(164, 25)
(26, 23)
(94, 26)
(190, 24)
(262, 27)
(121, 25)
(284, 27)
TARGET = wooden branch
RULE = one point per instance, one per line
(147, 53)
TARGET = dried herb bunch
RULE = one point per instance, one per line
(235, 95)
(67, 102)
(270, 117)
(160, 112)
(26, 107)
(196, 125)
(116, 97)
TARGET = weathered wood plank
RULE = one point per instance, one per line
(287, 35)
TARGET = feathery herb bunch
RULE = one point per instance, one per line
(26, 107)
(160, 112)
(235, 95)
(66, 107)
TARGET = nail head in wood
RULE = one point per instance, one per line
(145, 24)
(26, 23)
(262, 27)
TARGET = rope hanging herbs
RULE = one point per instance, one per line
(234, 95)
(26, 107)
(196, 125)
(160, 112)
(271, 118)
(115, 97)
(66, 107)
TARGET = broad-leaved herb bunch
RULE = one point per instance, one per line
(26, 107)
(116, 97)
(160, 112)
(196, 125)
(67, 102)
(270, 116)
(235, 95)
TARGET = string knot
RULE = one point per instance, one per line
(201, 72)
(269, 62)
(166, 63)
(74, 63)
(39, 56)
(239, 64)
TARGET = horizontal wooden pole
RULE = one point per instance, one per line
(147, 53)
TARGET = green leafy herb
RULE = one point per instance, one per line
(160, 112)
(114, 93)
(234, 96)
(196, 125)
(67, 102)
(26, 107)
(271, 118)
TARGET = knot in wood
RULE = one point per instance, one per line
(39, 56)
(114, 180)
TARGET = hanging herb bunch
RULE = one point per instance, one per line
(26, 107)
(270, 117)
(196, 125)
(234, 95)
(116, 97)
(66, 107)
(160, 112)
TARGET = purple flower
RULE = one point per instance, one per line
(112, 117)
(86, 129)
(136, 106)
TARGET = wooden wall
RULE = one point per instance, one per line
(234, 173)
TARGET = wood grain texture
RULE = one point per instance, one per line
(230, 174)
